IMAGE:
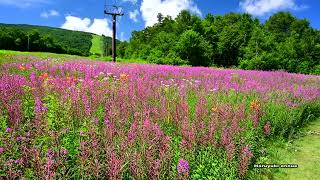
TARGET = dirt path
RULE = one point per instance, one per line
(305, 152)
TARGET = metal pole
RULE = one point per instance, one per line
(28, 42)
(114, 54)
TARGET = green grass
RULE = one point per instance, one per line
(121, 60)
(38, 54)
(305, 152)
(6, 54)
(96, 45)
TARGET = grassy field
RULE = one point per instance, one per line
(303, 151)
(4, 54)
(71, 117)
(96, 45)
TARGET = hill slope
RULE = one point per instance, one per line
(74, 42)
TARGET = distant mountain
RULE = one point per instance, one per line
(72, 42)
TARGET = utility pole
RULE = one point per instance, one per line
(28, 42)
(114, 11)
(107, 49)
(114, 29)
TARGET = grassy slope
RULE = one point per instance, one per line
(38, 54)
(4, 53)
(305, 152)
(75, 40)
(96, 45)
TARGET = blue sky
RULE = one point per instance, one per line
(87, 15)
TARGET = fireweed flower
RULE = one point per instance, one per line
(9, 163)
(20, 138)
(133, 131)
(183, 166)
(183, 144)
(33, 77)
(94, 144)
(9, 130)
(18, 161)
(28, 134)
(64, 152)
(81, 133)
(38, 106)
(247, 152)
(1, 150)
(50, 154)
(146, 127)
(245, 158)
(107, 122)
(266, 128)
(49, 172)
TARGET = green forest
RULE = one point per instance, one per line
(235, 40)
(46, 39)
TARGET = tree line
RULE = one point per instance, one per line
(283, 42)
(15, 37)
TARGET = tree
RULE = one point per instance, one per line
(231, 40)
(194, 48)
(280, 25)
(186, 21)
(160, 18)
(259, 52)
(121, 49)
(231, 33)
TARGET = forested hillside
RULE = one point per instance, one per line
(233, 40)
(15, 37)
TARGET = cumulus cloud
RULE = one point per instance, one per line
(133, 15)
(24, 3)
(98, 26)
(151, 8)
(262, 7)
(51, 13)
(122, 36)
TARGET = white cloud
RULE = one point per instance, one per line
(24, 3)
(151, 8)
(262, 7)
(99, 26)
(133, 15)
(122, 36)
(51, 13)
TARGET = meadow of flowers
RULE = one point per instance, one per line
(78, 119)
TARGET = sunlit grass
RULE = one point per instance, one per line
(96, 45)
